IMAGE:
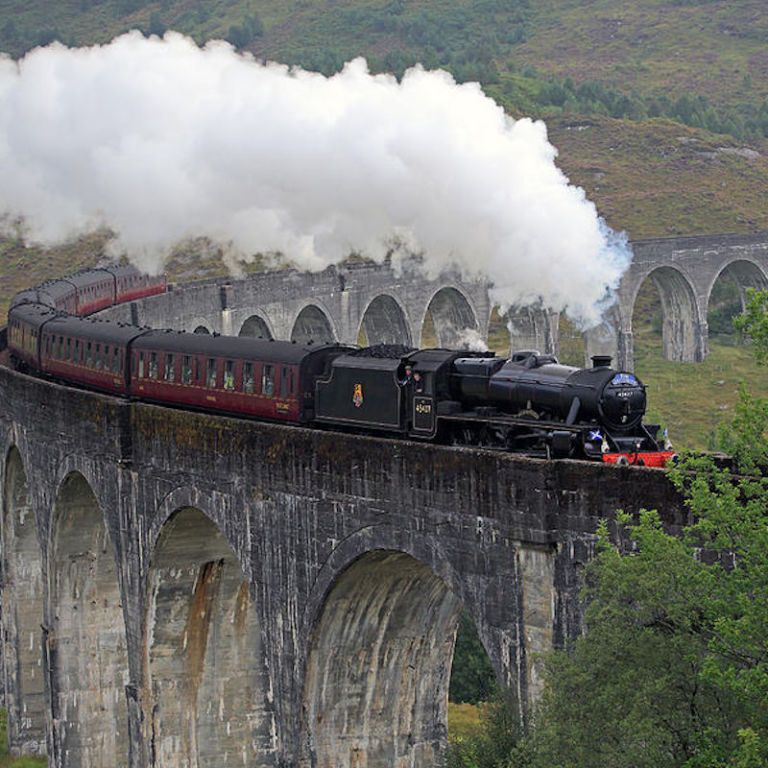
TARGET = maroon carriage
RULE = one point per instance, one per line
(89, 352)
(244, 376)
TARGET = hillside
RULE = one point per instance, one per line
(658, 107)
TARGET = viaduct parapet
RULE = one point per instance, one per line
(377, 304)
(183, 589)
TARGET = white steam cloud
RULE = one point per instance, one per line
(162, 141)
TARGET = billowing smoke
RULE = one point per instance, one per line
(162, 141)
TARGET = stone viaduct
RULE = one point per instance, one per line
(181, 589)
(391, 306)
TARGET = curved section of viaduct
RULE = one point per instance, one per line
(373, 304)
(184, 589)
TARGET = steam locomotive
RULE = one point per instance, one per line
(528, 403)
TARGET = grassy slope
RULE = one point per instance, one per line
(655, 46)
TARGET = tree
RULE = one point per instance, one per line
(472, 676)
(754, 322)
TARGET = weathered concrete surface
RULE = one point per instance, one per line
(271, 595)
(384, 305)
(22, 586)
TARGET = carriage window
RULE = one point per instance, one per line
(210, 378)
(186, 370)
(284, 383)
(268, 381)
(141, 365)
(77, 351)
(106, 357)
(89, 355)
(229, 374)
(116, 361)
(153, 365)
(169, 367)
(248, 378)
(98, 356)
(69, 349)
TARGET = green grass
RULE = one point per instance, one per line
(463, 720)
(691, 399)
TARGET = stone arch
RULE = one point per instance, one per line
(22, 611)
(257, 326)
(530, 328)
(87, 641)
(205, 675)
(741, 274)
(202, 329)
(571, 345)
(453, 318)
(682, 336)
(313, 324)
(384, 321)
(376, 688)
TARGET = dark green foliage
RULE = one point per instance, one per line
(724, 306)
(754, 322)
(126, 7)
(593, 98)
(468, 40)
(472, 676)
(241, 35)
(156, 25)
(10, 31)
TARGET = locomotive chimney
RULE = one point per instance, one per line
(601, 361)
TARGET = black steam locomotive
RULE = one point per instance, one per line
(528, 403)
